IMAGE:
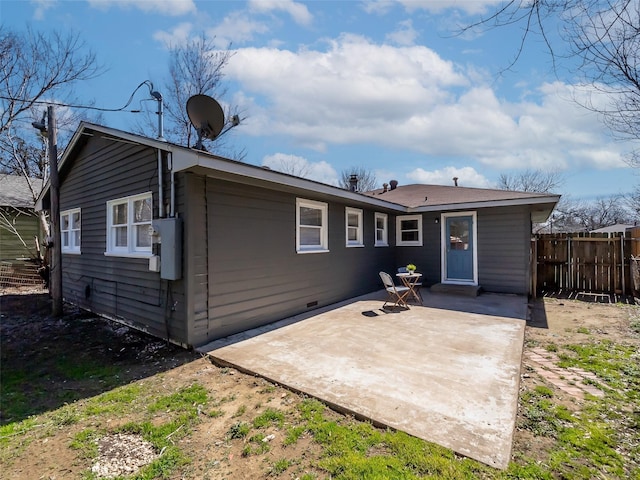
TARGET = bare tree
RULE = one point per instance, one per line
(604, 35)
(539, 181)
(195, 68)
(366, 179)
(36, 69)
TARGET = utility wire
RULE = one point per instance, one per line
(87, 107)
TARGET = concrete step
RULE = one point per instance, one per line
(463, 290)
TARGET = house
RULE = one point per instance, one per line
(616, 228)
(219, 246)
(19, 223)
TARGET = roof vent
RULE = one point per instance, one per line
(385, 187)
(393, 184)
(455, 181)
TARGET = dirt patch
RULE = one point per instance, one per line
(41, 353)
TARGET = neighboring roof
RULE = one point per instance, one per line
(404, 199)
(15, 192)
(617, 228)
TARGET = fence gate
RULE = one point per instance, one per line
(596, 263)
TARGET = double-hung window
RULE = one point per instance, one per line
(312, 229)
(128, 225)
(409, 230)
(353, 225)
(70, 227)
(382, 231)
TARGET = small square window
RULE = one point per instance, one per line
(409, 230)
(128, 225)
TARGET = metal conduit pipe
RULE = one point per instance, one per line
(173, 184)
(160, 187)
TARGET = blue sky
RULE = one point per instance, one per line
(382, 85)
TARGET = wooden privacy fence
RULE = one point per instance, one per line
(596, 263)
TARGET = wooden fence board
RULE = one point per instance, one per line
(592, 263)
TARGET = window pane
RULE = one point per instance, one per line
(379, 222)
(142, 210)
(310, 216)
(76, 220)
(65, 239)
(410, 236)
(409, 224)
(120, 214)
(120, 236)
(352, 220)
(379, 235)
(143, 239)
(309, 236)
(353, 234)
(76, 238)
(64, 222)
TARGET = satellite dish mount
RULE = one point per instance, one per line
(207, 117)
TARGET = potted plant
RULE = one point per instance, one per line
(411, 268)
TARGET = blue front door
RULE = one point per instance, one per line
(459, 254)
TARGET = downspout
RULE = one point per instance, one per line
(160, 187)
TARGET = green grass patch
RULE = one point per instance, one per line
(270, 416)
(280, 466)
(238, 430)
(78, 368)
(616, 364)
(119, 400)
(85, 442)
(356, 450)
(187, 400)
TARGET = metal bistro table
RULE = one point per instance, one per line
(412, 280)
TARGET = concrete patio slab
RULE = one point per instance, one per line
(447, 372)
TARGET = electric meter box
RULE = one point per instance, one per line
(170, 232)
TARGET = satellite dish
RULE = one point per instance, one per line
(206, 115)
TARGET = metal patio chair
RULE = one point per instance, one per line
(397, 294)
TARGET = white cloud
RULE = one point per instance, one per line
(41, 8)
(236, 28)
(294, 165)
(410, 99)
(298, 12)
(164, 7)
(438, 6)
(177, 36)
(467, 177)
(404, 35)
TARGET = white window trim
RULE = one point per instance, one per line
(399, 241)
(324, 228)
(130, 251)
(72, 248)
(385, 229)
(359, 241)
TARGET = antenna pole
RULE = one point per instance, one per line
(160, 115)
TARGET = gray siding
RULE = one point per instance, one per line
(427, 257)
(504, 235)
(504, 242)
(120, 288)
(255, 275)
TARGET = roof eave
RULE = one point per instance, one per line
(185, 160)
(545, 205)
